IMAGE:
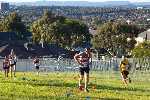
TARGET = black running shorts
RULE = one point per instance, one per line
(83, 70)
(125, 73)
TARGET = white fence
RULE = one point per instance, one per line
(63, 64)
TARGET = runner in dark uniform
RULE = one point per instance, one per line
(6, 66)
(36, 63)
(83, 60)
(12, 64)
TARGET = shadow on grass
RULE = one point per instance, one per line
(100, 98)
(120, 88)
(56, 83)
(34, 82)
(64, 97)
(110, 99)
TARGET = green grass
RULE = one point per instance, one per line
(56, 86)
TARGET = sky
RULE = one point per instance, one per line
(75, 0)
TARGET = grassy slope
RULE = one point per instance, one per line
(56, 86)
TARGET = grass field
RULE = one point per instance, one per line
(63, 86)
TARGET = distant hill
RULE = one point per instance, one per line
(83, 3)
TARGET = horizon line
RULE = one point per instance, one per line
(76, 1)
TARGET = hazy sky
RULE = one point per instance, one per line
(75, 0)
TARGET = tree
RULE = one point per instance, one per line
(74, 32)
(42, 28)
(142, 50)
(13, 23)
(114, 37)
(60, 30)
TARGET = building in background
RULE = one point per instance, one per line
(144, 36)
(4, 6)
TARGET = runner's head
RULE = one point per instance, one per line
(10, 56)
(6, 57)
(88, 49)
(124, 60)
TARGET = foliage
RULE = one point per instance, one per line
(115, 36)
(57, 29)
(142, 50)
(13, 23)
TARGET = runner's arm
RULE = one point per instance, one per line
(90, 60)
(77, 60)
(3, 64)
(120, 66)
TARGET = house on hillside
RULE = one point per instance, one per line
(23, 49)
(5, 36)
(50, 50)
(144, 36)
